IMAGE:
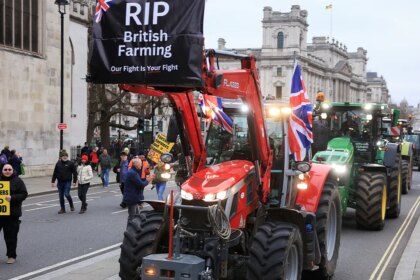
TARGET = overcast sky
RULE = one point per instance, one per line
(389, 30)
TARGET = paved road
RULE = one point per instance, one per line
(47, 238)
(375, 255)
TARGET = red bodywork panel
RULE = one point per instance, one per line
(217, 178)
(310, 197)
(237, 176)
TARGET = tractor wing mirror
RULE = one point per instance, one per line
(302, 166)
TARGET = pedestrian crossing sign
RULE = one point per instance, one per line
(4, 204)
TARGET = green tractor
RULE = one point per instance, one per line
(350, 137)
(398, 134)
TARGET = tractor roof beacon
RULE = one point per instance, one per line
(243, 212)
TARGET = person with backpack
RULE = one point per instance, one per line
(64, 172)
(6, 151)
(15, 161)
(84, 175)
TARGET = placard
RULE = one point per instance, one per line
(4, 204)
(159, 147)
(156, 43)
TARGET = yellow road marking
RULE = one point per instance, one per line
(395, 241)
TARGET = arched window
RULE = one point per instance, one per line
(280, 40)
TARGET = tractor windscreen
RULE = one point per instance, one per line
(224, 146)
(355, 123)
(413, 138)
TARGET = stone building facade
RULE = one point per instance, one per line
(326, 64)
(30, 51)
(377, 89)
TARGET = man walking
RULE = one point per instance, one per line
(105, 164)
(123, 170)
(64, 172)
(133, 189)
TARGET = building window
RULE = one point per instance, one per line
(19, 24)
(279, 92)
(279, 71)
(147, 126)
(280, 40)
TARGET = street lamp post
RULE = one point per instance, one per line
(62, 10)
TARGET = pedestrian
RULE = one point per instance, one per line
(6, 152)
(84, 175)
(145, 168)
(15, 161)
(123, 174)
(160, 182)
(85, 149)
(10, 224)
(133, 189)
(64, 172)
(105, 164)
(94, 159)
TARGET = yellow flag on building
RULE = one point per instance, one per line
(328, 7)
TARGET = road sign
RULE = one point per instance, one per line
(4, 204)
(62, 126)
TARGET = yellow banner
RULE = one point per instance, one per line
(4, 204)
(159, 147)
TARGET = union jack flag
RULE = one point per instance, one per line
(300, 121)
(212, 107)
(101, 7)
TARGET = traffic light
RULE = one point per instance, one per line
(140, 126)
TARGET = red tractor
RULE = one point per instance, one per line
(245, 210)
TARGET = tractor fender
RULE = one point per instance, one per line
(374, 167)
(310, 197)
(391, 154)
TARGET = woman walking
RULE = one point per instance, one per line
(10, 224)
(84, 175)
(159, 181)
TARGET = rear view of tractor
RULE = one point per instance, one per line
(414, 138)
(244, 209)
(368, 165)
(398, 134)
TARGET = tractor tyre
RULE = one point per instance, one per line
(142, 237)
(394, 206)
(371, 200)
(276, 253)
(405, 173)
(328, 228)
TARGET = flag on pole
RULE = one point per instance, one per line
(300, 121)
(328, 7)
(212, 107)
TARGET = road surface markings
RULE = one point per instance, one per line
(53, 205)
(57, 265)
(395, 242)
(120, 211)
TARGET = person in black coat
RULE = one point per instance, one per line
(15, 161)
(64, 172)
(10, 224)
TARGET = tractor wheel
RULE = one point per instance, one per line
(142, 237)
(371, 200)
(276, 253)
(405, 185)
(394, 206)
(328, 228)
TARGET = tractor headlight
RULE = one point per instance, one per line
(186, 195)
(209, 197)
(221, 195)
(324, 116)
(274, 112)
(286, 110)
(339, 169)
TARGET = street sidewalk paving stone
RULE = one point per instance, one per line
(409, 264)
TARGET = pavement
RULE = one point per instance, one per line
(409, 265)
